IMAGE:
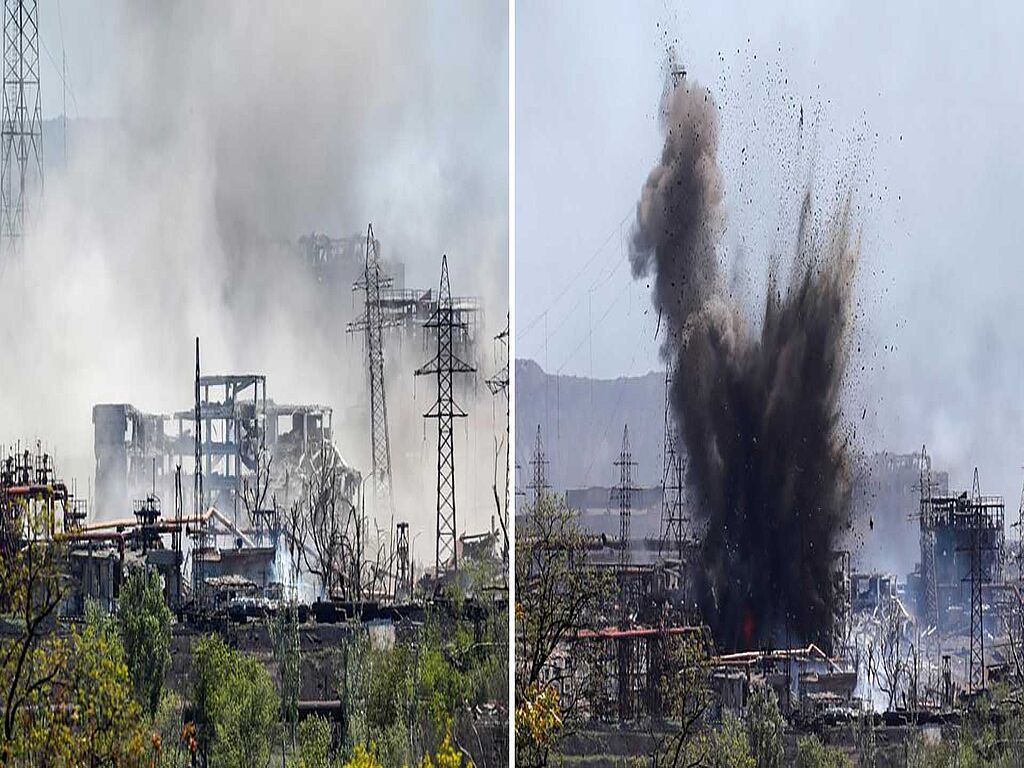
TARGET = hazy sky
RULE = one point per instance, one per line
(916, 106)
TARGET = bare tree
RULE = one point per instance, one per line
(254, 495)
(887, 656)
(331, 524)
(685, 693)
(501, 505)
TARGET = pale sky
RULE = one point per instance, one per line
(916, 105)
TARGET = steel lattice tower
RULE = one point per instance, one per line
(672, 520)
(372, 324)
(444, 365)
(538, 470)
(21, 137)
(624, 495)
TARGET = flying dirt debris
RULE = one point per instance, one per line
(760, 412)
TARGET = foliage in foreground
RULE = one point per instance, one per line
(144, 623)
(236, 705)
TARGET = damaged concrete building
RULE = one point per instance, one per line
(137, 451)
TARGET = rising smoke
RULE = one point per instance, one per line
(234, 129)
(759, 412)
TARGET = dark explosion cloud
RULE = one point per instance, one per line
(759, 414)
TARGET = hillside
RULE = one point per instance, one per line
(576, 412)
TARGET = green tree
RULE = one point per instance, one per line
(765, 727)
(284, 633)
(236, 706)
(103, 715)
(811, 753)
(86, 715)
(144, 622)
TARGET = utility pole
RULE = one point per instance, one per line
(21, 137)
(672, 520)
(444, 365)
(372, 324)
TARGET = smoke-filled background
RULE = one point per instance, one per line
(203, 142)
(758, 408)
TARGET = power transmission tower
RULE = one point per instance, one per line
(672, 520)
(538, 470)
(444, 365)
(21, 138)
(624, 495)
(372, 323)
(498, 385)
(625, 655)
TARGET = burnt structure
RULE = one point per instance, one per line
(135, 449)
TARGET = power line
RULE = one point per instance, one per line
(529, 326)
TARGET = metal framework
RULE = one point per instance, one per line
(444, 365)
(672, 519)
(372, 323)
(21, 137)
